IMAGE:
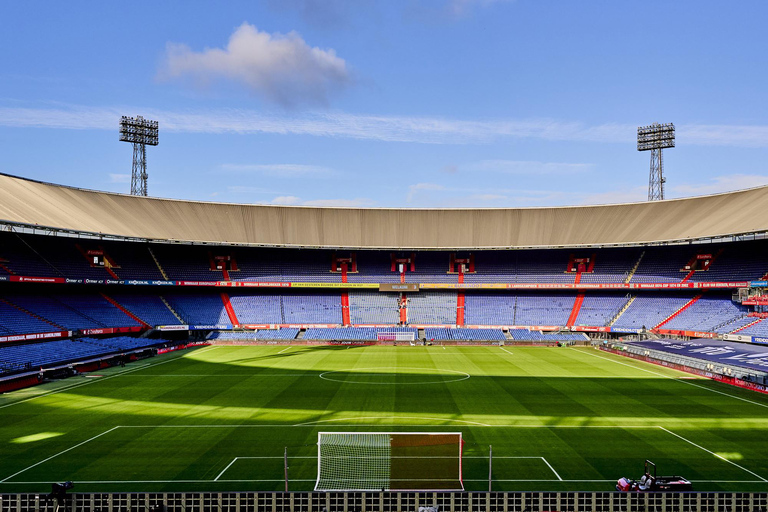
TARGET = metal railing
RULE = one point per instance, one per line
(389, 502)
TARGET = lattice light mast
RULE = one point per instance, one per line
(142, 133)
(654, 138)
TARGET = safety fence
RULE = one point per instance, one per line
(388, 502)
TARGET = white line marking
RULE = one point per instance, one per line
(56, 455)
(676, 379)
(430, 425)
(507, 351)
(286, 348)
(308, 423)
(96, 482)
(91, 381)
(713, 453)
(550, 467)
(226, 468)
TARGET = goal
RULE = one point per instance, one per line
(393, 461)
(395, 336)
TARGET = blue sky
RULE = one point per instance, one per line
(403, 103)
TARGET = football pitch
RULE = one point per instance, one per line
(222, 418)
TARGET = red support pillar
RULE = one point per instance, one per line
(345, 318)
(403, 309)
(460, 309)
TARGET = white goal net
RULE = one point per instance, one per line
(375, 461)
(395, 336)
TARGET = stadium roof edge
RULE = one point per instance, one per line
(36, 205)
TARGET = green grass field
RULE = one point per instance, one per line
(220, 418)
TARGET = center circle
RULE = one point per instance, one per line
(384, 376)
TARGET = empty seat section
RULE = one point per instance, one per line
(199, 309)
(648, 310)
(538, 309)
(14, 321)
(707, 313)
(598, 310)
(254, 308)
(148, 307)
(374, 308)
(98, 308)
(489, 308)
(432, 308)
(56, 312)
(353, 333)
(311, 308)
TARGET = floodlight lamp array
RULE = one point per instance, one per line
(656, 136)
(138, 130)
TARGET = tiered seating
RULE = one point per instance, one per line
(199, 309)
(598, 310)
(311, 308)
(14, 321)
(550, 309)
(35, 355)
(443, 333)
(256, 308)
(485, 308)
(432, 308)
(526, 335)
(612, 266)
(56, 312)
(96, 307)
(707, 313)
(266, 334)
(374, 308)
(149, 307)
(759, 329)
(648, 310)
(352, 333)
(734, 324)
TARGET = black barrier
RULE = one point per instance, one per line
(392, 502)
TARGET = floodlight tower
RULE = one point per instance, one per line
(141, 132)
(654, 138)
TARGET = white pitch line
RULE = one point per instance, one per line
(713, 453)
(507, 351)
(96, 482)
(91, 381)
(286, 348)
(677, 380)
(383, 425)
(226, 468)
(56, 455)
(309, 423)
(550, 467)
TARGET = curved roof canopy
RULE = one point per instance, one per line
(35, 204)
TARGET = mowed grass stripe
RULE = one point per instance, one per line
(556, 391)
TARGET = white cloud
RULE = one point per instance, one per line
(628, 195)
(425, 130)
(282, 68)
(279, 170)
(286, 200)
(414, 189)
(120, 178)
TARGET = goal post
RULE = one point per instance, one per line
(392, 461)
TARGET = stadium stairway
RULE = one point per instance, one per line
(178, 317)
(124, 310)
(625, 306)
(576, 307)
(230, 310)
(748, 325)
(682, 308)
(162, 273)
(629, 278)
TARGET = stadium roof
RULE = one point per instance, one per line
(33, 204)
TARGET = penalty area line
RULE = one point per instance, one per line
(713, 453)
(4, 480)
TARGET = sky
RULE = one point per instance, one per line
(398, 103)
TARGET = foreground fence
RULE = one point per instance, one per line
(388, 502)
